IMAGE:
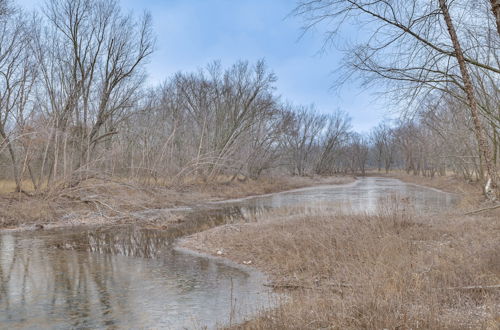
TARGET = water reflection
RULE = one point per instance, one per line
(363, 196)
(135, 281)
(131, 277)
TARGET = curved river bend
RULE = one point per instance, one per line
(133, 277)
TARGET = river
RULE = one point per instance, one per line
(134, 277)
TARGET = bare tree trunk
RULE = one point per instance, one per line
(32, 176)
(495, 145)
(495, 8)
(489, 166)
(15, 171)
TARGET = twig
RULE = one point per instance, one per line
(475, 287)
(483, 209)
(300, 286)
(287, 286)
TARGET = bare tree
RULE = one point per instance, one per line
(91, 58)
(490, 166)
(336, 133)
(382, 139)
(354, 155)
(302, 138)
(16, 80)
(406, 47)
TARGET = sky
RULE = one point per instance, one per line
(192, 33)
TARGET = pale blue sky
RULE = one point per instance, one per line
(192, 33)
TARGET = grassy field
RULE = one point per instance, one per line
(394, 270)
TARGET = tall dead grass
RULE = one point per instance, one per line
(393, 270)
(9, 186)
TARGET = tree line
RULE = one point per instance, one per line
(74, 104)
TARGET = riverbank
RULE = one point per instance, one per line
(395, 269)
(100, 202)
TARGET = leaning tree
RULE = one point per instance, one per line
(419, 48)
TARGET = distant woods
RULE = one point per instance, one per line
(74, 106)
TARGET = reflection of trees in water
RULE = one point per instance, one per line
(135, 241)
(79, 283)
(127, 241)
(72, 276)
(7, 264)
(63, 284)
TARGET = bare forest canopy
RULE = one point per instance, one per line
(73, 103)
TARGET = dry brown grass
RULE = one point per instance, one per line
(18, 208)
(395, 270)
(8, 186)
